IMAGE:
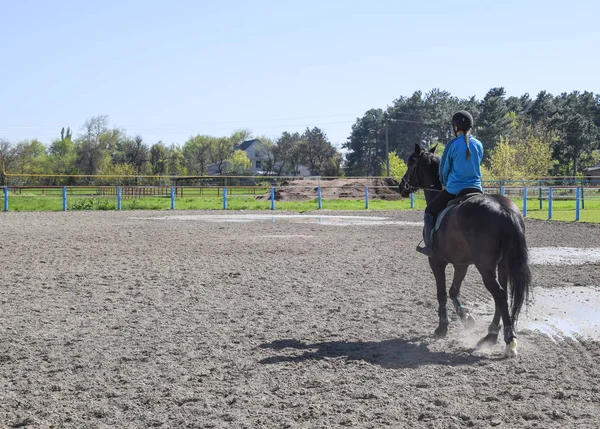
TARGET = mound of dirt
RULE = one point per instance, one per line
(331, 189)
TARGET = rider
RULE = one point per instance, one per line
(459, 172)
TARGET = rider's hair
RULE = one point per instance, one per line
(467, 132)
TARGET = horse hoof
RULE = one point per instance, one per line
(511, 349)
(486, 342)
(441, 331)
(469, 322)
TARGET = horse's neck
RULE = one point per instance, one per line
(435, 181)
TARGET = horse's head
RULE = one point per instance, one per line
(422, 172)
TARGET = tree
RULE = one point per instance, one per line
(159, 156)
(502, 161)
(135, 153)
(439, 106)
(286, 153)
(397, 167)
(529, 158)
(493, 123)
(316, 150)
(534, 158)
(364, 150)
(7, 153)
(578, 133)
(176, 161)
(219, 151)
(62, 154)
(240, 136)
(95, 146)
(29, 158)
(543, 108)
(196, 152)
(238, 164)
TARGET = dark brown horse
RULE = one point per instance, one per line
(485, 230)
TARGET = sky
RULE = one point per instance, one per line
(168, 70)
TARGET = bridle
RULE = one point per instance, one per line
(408, 178)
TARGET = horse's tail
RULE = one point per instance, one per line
(517, 257)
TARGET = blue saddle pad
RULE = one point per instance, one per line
(450, 206)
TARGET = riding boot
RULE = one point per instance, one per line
(429, 223)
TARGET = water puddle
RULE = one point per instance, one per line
(566, 312)
(314, 219)
(563, 255)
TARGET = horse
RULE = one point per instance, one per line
(484, 230)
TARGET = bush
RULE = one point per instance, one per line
(92, 204)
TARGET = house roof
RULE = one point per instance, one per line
(245, 145)
(593, 168)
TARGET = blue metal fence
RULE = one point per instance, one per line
(546, 195)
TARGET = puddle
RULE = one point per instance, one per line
(566, 312)
(563, 255)
(315, 219)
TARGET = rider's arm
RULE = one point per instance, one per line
(445, 164)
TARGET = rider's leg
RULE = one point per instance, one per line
(436, 205)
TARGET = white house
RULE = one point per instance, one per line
(259, 157)
(593, 171)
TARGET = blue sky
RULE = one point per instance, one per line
(171, 69)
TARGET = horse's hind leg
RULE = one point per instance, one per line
(499, 292)
(438, 266)
(460, 271)
(494, 329)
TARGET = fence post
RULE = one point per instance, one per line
(224, 198)
(272, 198)
(577, 202)
(172, 198)
(582, 196)
(502, 190)
(540, 186)
(319, 203)
(118, 198)
(64, 192)
(6, 198)
(524, 202)
(366, 198)
(550, 203)
(412, 200)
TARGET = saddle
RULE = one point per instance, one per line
(460, 198)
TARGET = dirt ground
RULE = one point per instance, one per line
(350, 188)
(130, 320)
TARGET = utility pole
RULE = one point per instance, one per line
(387, 151)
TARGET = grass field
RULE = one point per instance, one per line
(563, 210)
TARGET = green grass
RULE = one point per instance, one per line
(110, 191)
(563, 210)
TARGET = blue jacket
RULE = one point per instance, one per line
(458, 173)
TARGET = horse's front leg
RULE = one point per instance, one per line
(438, 266)
(460, 271)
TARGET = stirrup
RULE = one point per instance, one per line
(424, 250)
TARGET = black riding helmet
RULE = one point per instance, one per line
(462, 120)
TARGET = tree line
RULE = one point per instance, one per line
(104, 150)
(522, 136)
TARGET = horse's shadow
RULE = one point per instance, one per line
(393, 354)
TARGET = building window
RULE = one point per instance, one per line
(258, 164)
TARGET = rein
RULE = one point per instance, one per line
(412, 172)
(427, 189)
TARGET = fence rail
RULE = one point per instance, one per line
(529, 198)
